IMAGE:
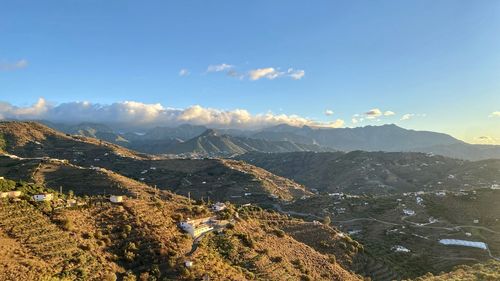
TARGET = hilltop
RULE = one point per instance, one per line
(32, 139)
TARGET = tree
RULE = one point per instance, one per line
(129, 276)
(327, 220)
(110, 276)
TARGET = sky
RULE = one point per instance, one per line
(421, 64)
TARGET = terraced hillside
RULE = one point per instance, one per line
(53, 251)
(141, 237)
(351, 254)
(361, 172)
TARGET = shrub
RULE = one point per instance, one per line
(327, 220)
(276, 259)
(129, 276)
(246, 239)
(131, 246)
(67, 224)
(127, 228)
(109, 276)
(278, 232)
(129, 256)
(305, 277)
(332, 259)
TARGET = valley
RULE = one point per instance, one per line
(303, 215)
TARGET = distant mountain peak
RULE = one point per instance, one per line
(209, 133)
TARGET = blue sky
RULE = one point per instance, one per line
(437, 62)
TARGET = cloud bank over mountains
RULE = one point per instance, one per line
(131, 114)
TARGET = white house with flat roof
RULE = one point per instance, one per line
(196, 227)
(217, 207)
(43, 197)
(116, 198)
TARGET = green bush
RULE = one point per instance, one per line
(278, 232)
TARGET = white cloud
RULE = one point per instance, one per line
(269, 73)
(273, 73)
(373, 113)
(389, 113)
(296, 74)
(131, 114)
(219, 67)
(8, 66)
(495, 114)
(328, 112)
(8, 111)
(407, 116)
(184, 72)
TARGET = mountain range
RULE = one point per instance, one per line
(202, 141)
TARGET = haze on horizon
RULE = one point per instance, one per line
(422, 65)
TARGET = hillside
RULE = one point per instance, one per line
(201, 178)
(32, 139)
(140, 239)
(360, 172)
(402, 232)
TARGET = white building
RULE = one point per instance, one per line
(116, 198)
(495, 186)
(400, 249)
(217, 207)
(441, 193)
(43, 197)
(71, 202)
(408, 212)
(4, 194)
(419, 200)
(196, 227)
